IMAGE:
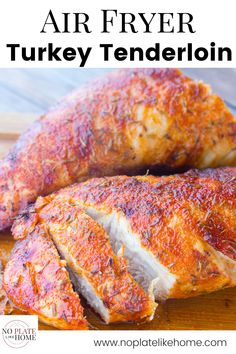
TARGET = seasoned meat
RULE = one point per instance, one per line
(36, 280)
(131, 120)
(100, 276)
(176, 235)
(178, 232)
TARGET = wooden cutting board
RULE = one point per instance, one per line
(212, 311)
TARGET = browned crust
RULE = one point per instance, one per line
(84, 240)
(88, 135)
(171, 216)
(36, 281)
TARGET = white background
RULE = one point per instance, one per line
(63, 342)
(22, 21)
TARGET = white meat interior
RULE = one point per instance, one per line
(83, 287)
(145, 268)
(81, 284)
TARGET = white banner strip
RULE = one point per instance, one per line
(21, 333)
(117, 33)
(139, 342)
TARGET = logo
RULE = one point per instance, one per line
(18, 333)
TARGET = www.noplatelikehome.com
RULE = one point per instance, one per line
(159, 342)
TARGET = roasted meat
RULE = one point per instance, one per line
(36, 281)
(125, 240)
(178, 232)
(131, 120)
(100, 276)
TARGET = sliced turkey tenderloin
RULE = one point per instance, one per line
(98, 274)
(36, 280)
(179, 232)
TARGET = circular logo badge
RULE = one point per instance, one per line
(16, 334)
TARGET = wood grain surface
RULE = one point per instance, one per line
(211, 311)
(35, 90)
